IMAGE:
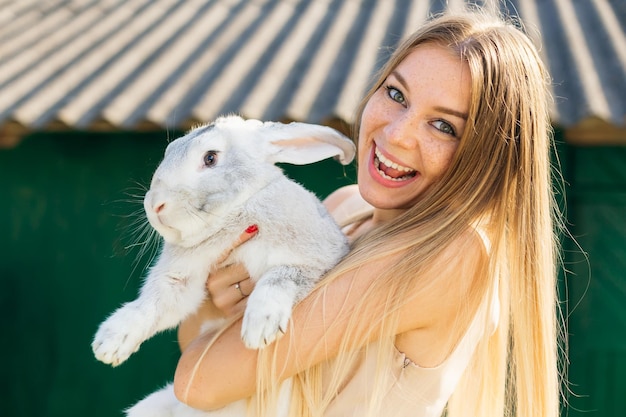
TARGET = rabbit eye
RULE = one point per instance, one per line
(210, 158)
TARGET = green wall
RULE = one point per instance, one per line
(64, 225)
(597, 282)
(66, 204)
(63, 269)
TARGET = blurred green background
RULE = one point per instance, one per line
(69, 205)
(66, 219)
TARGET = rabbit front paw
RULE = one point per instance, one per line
(266, 317)
(118, 337)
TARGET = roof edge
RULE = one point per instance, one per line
(594, 131)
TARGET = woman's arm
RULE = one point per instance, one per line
(210, 377)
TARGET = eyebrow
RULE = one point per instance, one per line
(446, 110)
(458, 114)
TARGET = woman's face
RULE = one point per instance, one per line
(411, 126)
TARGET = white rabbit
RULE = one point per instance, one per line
(212, 184)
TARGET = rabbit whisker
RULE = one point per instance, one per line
(148, 243)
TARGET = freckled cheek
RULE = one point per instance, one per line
(367, 131)
(362, 146)
(441, 155)
(374, 113)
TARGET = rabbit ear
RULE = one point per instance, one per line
(303, 143)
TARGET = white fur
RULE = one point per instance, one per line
(201, 209)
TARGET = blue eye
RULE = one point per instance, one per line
(444, 127)
(395, 95)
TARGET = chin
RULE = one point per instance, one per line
(384, 197)
(381, 199)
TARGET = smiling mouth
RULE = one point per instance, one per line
(391, 170)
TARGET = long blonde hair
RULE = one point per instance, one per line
(500, 172)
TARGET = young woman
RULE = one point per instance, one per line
(447, 300)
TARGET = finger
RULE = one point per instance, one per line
(246, 286)
(248, 234)
(220, 279)
(243, 286)
(226, 299)
(240, 306)
(230, 299)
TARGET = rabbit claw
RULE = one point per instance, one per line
(117, 338)
(265, 319)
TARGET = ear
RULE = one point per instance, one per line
(303, 143)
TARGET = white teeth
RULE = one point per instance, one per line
(391, 164)
(382, 174)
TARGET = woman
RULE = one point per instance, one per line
(448, 297)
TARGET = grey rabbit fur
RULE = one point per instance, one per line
(212, 184)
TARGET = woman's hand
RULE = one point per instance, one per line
(227, 287)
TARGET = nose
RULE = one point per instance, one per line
(155, 201)
(402, 132)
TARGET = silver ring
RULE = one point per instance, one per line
(238, 286)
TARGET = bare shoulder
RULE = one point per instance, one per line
(446, 282)
(436, 317)
(465, 250)
(345, 204)
(340, 195)
(458, 269)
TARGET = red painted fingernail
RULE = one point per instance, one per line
(252, 229)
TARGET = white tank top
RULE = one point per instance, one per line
(413, 390)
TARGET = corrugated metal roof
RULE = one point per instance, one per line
(136, 64)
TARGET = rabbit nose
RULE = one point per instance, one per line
(154, 202)
(159, 207)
